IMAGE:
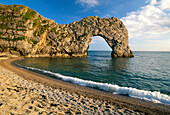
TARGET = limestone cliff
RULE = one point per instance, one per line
(24, 32)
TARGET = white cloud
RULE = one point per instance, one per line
(150, 21)
(88, 3)
(165, 5)
(152, 2)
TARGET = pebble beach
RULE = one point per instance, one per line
(19, 95)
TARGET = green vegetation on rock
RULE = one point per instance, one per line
(21, 30)
(19, 38)
(44, 21)
(14, 39)
(36, 23)
(7, 38)
(3, 26)
(29, 14)
(40, 31)
(34, 41)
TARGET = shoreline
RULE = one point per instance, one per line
(116, 100)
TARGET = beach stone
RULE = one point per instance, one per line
(38, 36)
(32, 99)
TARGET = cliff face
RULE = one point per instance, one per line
(24, 32)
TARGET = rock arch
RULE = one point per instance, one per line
(112, 30)
(29, 34)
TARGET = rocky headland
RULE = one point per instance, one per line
(24, 32)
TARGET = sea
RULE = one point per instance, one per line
(145, 76)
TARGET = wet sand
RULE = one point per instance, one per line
(27, 92)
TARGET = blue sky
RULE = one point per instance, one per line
(148, 21)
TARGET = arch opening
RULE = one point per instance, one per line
(98, 43)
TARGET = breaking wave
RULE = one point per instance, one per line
(155, 97)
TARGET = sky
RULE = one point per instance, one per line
(147, 21)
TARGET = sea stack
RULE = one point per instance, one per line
(26, 33)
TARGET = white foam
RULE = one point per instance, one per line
(155, 97)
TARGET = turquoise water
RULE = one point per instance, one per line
(147, 71)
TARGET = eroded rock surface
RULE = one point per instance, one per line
(24, 32)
